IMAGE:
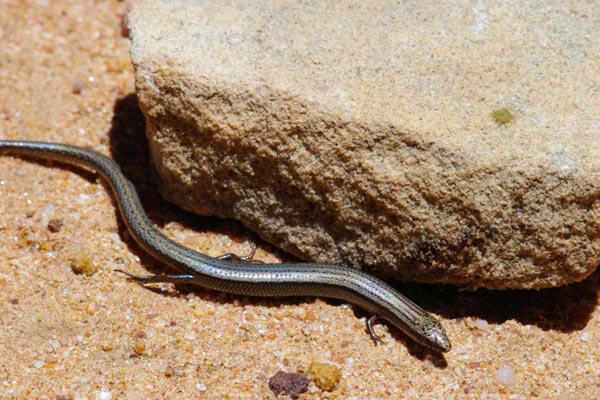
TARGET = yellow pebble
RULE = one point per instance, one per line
(45, 246)
(81, 264)
(106, 346)
(325, 376)
(139, 348)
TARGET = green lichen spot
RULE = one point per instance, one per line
(502, 116)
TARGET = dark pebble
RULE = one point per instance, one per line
(54, 225)
(288, 383)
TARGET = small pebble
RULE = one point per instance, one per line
(481, 324)
(310, 316)
(77, 86)
(55, 224)
(104, 395)
(81, 264)
(505, 376)
(141, 334)
(325, 376)
(45, 246)
(288, 383)
(201, 387)
(139, 348)
(123, 24)
(170, 371)
(106, 346)
(584, 336)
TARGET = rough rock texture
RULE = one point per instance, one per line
(362, 134)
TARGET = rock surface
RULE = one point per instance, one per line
(364, 135)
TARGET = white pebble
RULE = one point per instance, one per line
(262, 329)
(481, 324)
(299, 312)
(104, 395)
(39, 364)
(506, 376)
(201, 387)
(584, 337)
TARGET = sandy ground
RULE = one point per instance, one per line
(65, 76)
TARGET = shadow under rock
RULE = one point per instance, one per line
(565, 309)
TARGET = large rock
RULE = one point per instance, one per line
(361, 133)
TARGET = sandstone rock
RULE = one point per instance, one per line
(372, 134)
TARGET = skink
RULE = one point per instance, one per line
(265, 280)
